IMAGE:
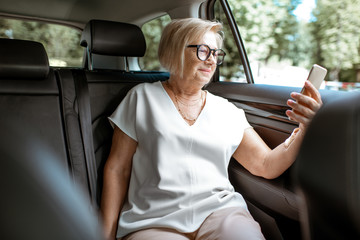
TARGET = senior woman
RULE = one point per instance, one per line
(166, 175)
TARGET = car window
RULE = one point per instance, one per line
(152, 31)
(283, 39)
(62, 43)
(232, 68)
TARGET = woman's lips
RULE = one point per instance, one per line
(208, 70)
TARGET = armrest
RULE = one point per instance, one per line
(266, 194)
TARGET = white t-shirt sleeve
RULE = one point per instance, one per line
(124, 117)
(240, 117)
(232, 116)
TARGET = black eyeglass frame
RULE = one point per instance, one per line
(212, 51)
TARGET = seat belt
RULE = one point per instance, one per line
(83, 99)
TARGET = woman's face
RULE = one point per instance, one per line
(196, 70)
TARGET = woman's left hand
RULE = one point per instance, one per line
(304, 107)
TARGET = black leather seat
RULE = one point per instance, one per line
(38, 198)
(29, 93)
(106, 88)
(328, 171)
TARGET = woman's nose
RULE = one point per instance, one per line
(211, 59)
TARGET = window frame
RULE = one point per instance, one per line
(236, 35)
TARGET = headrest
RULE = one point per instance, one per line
(113, 39)
(23, 59)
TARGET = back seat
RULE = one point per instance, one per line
(104, 91)
(52, 101)
(30, 98)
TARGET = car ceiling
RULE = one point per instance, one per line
(78, 12)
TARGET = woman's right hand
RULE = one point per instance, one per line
(117, 172)
(304, 107)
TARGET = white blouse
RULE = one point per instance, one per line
(179, 172)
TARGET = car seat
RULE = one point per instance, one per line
(328, 171)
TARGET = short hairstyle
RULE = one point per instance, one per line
(178, 34)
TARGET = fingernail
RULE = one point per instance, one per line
(288, 112)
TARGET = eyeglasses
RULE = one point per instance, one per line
(204, 51)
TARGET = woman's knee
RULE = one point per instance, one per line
(156, 234)
(230, 224)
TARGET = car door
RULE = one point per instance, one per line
(273, 203)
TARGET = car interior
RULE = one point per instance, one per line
(55, 135)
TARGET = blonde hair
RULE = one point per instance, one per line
(177, 35)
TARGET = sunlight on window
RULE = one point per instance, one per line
(152, 31)
(62, 43)
(283, 39)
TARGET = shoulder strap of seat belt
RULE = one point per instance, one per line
(83, 99)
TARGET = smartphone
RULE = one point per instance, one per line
(316, 77)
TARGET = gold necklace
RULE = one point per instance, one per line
(191, 100)
(188, 105)
(178, 108)
(183, 115)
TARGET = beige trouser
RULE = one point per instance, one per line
(226, 224)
